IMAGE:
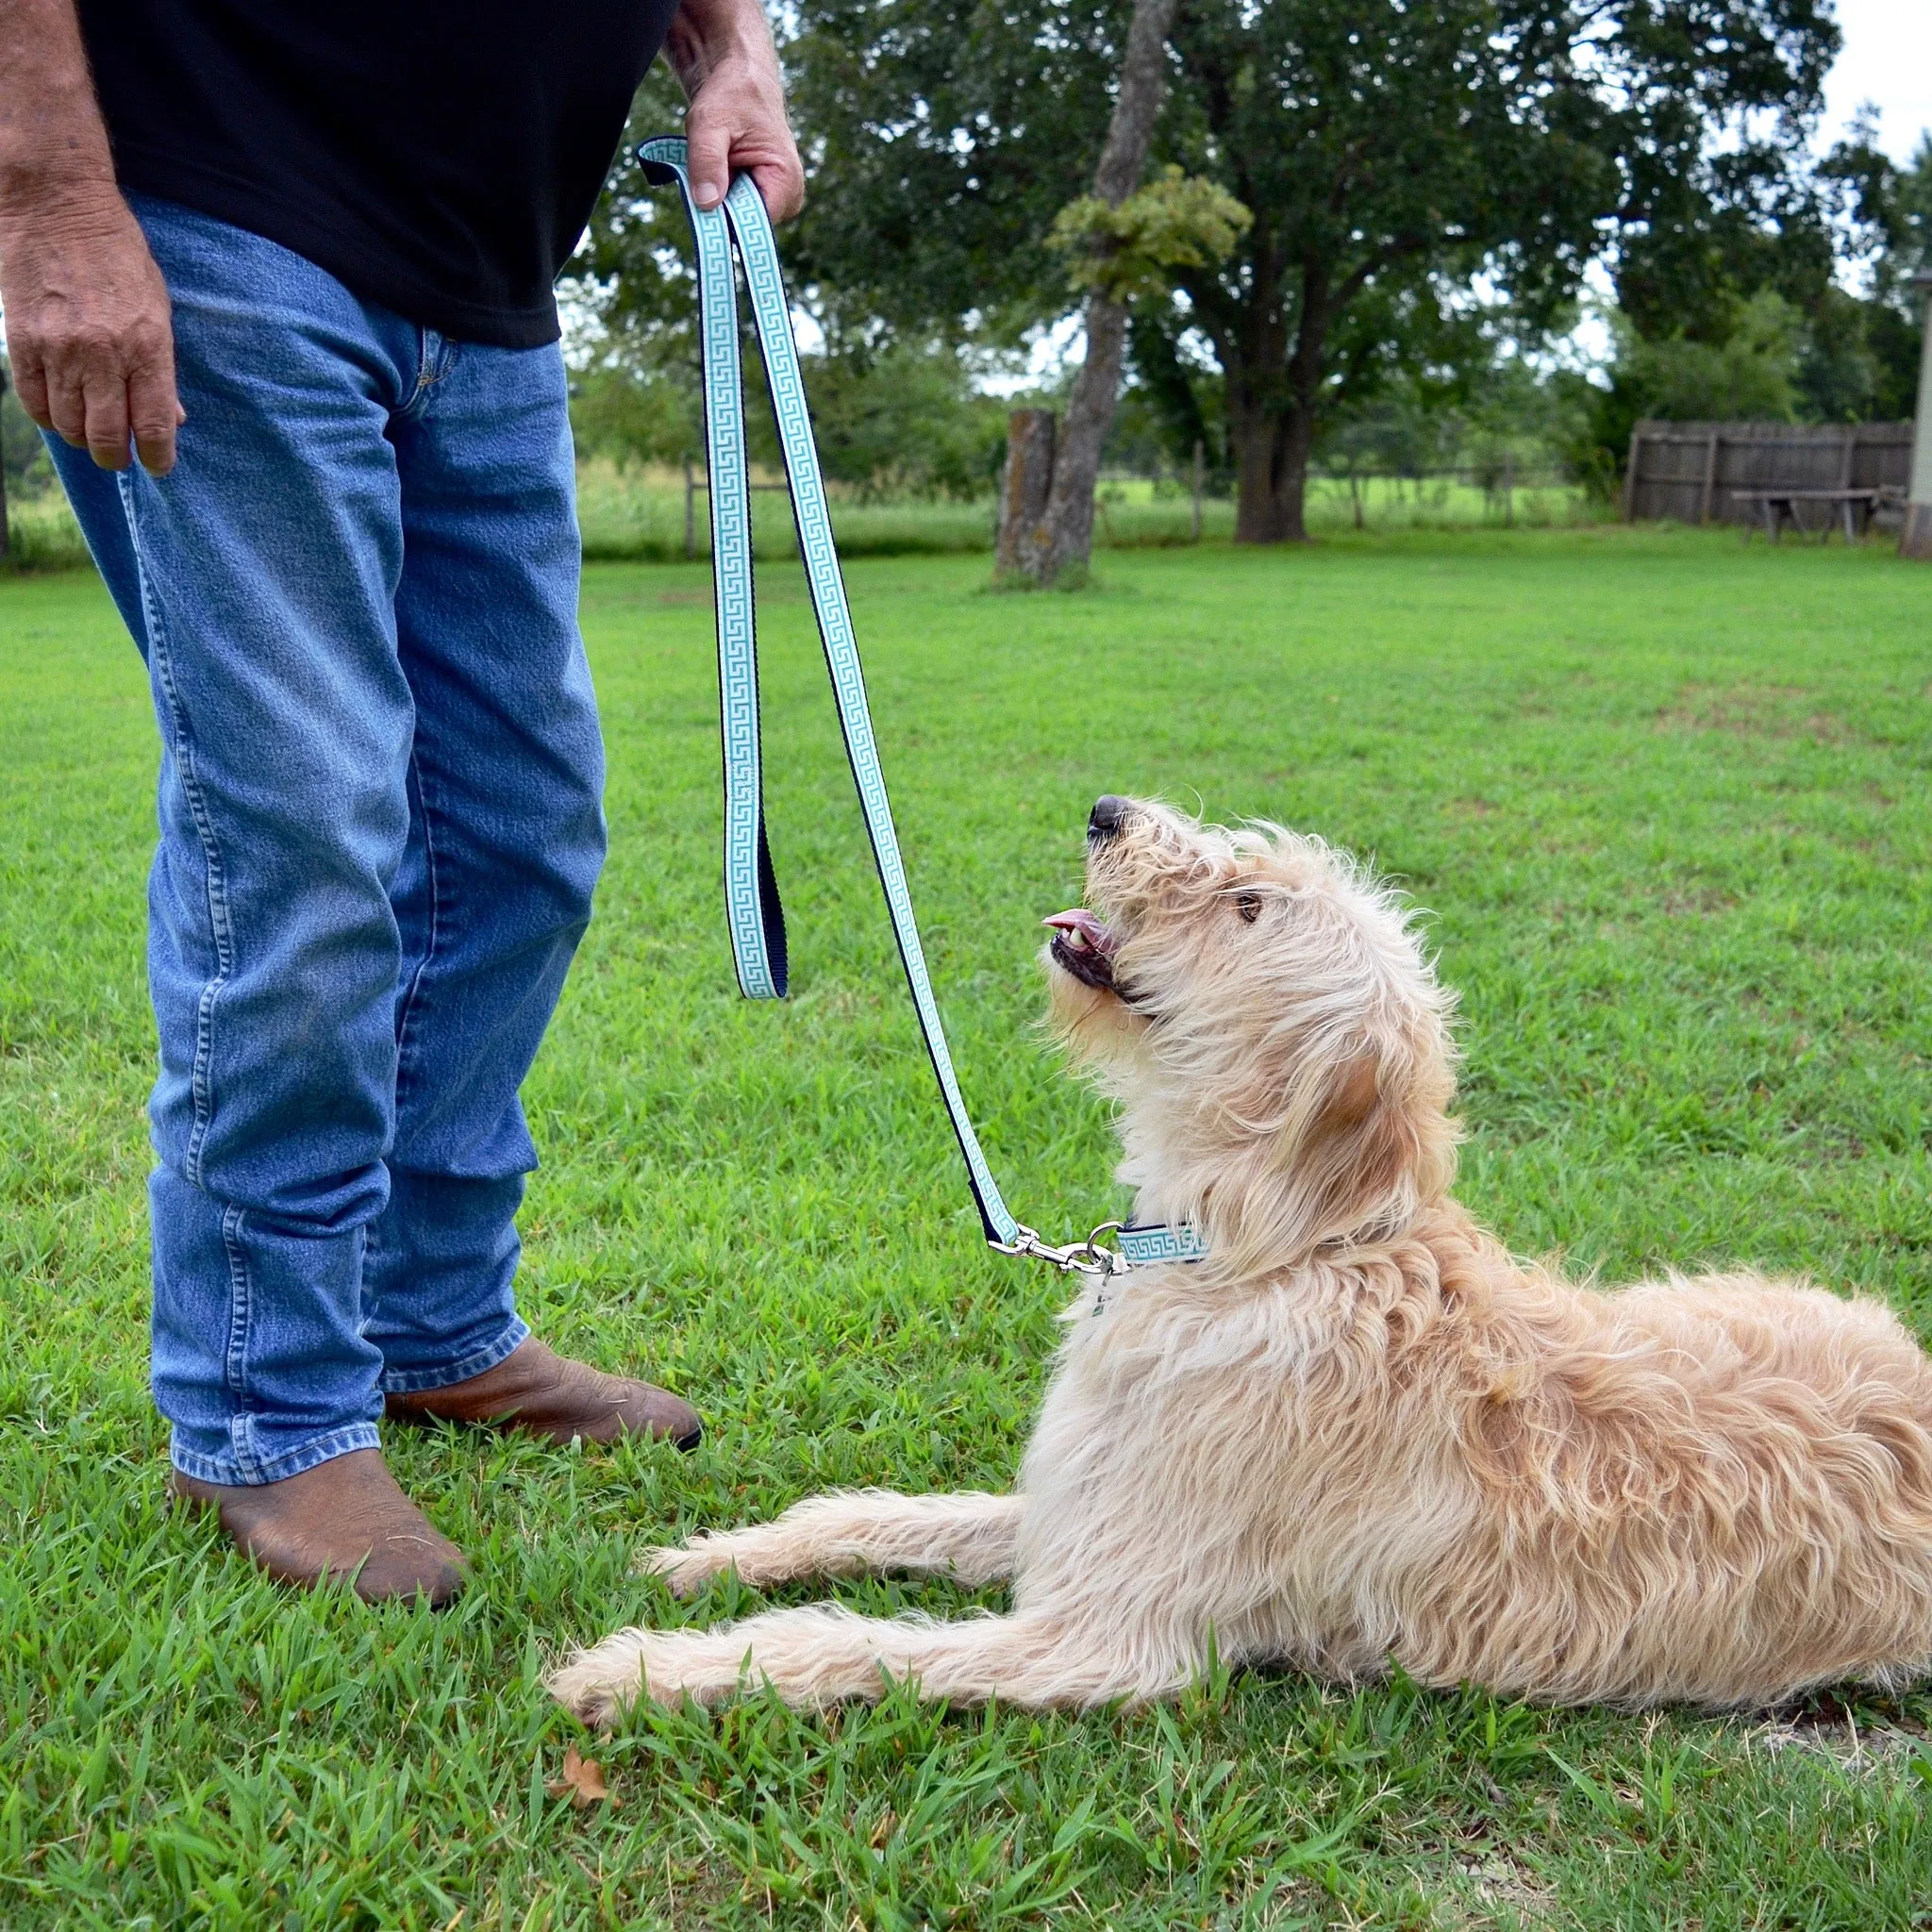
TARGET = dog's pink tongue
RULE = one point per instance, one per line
(1078, 919)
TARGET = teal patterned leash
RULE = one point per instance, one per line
(756, 918)
(751, 889)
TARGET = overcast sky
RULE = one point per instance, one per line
(1887, 60)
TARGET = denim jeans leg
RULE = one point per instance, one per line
(267, 564)
(506, 838)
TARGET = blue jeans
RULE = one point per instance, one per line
(380, 824)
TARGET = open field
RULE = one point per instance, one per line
(1670, 804)
(637, 516)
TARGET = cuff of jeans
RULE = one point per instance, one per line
(446, 1374)
(230, 1471)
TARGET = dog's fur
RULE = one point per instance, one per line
(1359, 1430)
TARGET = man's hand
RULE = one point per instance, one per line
(88, 327)
(722, 55)
(87, 321)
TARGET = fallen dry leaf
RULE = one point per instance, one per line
(582, 1781)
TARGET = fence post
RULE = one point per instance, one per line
(1630, 476)
(1509, 488)
(1199, 454)
(1709, 477)
(690, 521)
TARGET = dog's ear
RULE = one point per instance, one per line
(1370, 1145)
(1366, 1140)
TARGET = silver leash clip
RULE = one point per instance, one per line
(1088, 1256)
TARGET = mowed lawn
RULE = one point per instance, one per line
(1668, 804)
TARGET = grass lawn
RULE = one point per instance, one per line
(1669, 802)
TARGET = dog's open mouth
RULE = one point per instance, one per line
(1084, 947)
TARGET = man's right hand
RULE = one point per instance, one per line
(89, 327)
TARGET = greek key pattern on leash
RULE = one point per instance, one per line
(751, 898)
(756, 918)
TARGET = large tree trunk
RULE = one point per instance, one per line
(1067, 534)
(1272, 417)
(1270, 452)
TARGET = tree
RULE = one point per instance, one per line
(1865, 357)
(893, 411)
(941, 139)
(1064, 544)
(1389, 154)
(1762, 325)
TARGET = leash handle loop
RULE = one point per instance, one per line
(753, 908)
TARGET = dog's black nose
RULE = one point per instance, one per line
(1107, 816)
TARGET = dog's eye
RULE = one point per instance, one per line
(1249, 906)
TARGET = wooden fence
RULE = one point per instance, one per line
(1688, 471)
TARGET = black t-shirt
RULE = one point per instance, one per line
(438, 157)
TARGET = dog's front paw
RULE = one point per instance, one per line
(686, 1570)
(600, 1684)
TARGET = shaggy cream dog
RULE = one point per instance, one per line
(1359, 1430)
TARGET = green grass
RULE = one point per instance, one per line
(1668, 801)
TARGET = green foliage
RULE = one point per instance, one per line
(1786, 346)
(1856, 360)
(634, 271)
(636, 415)
(22, 455)
(1176, 395)
(1760, 329)
(1131, 252)
(42, 533)
(904, 420)
(943, 139)
(895, 416)
(1667, 801)
(1865, 357)
(1760, 350)
(1750, 376)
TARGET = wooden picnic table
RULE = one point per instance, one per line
(1776, 505)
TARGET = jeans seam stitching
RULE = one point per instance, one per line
(241, 1318)
(220, 928)
(411, 999)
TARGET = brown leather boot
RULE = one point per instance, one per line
(547, 1394)
(346, 1518)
